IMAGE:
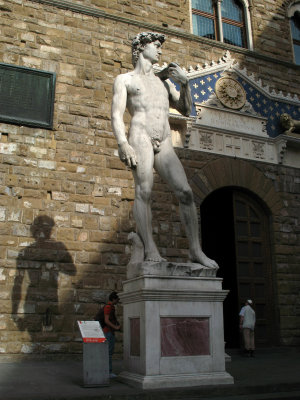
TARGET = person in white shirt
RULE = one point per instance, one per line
(247, 325)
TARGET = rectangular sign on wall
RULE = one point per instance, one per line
(26, 96)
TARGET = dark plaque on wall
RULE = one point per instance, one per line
(26, 96)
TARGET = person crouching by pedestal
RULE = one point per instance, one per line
(247, 325)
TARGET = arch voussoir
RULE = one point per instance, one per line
(225, 172)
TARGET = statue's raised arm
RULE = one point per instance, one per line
(181, 101)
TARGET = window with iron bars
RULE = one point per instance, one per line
(222, 20)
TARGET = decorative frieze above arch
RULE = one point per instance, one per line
(228, 63)
(235, 114)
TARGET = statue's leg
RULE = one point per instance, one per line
(143, 177)
(171, 170)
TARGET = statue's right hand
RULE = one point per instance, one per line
(127, 155)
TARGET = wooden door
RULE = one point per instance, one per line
(253, 266)
(235, 232)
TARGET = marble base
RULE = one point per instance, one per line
(173, 331)
(178, 380)
(166, 268)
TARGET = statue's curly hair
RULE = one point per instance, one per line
(141, 40)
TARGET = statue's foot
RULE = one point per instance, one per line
(154, 257)
(201, 258)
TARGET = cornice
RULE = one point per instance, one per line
(173, 295)
(94, 12)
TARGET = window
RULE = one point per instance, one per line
(204, 18)
(233, 23)
(223, 20)
(294, 15)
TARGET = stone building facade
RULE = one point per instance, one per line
(66, 199)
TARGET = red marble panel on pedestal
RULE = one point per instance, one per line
(184, 336)
(135, 337)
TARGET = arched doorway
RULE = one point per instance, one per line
(235, 232)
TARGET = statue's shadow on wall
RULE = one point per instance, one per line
(35, 303)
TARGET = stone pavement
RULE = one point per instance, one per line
(273, 374)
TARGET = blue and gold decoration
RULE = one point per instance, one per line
(265, 105)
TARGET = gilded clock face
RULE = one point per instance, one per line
(230, 93)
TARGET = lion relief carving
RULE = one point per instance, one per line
(289, 124)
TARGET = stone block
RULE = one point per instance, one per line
(82, 208)
(155, 369)
(21, 230)
(91, 222)
(2, 214)
(98, 211)
(60, 196)
(64, 234)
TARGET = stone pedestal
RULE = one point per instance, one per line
(173, 328)
(95, 364)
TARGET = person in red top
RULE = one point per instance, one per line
(111, 325)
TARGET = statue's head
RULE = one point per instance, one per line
(140, 41)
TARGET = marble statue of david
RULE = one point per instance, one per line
(148, 97)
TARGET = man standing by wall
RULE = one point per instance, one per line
(247, 325)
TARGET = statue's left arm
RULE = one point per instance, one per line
(181, 101)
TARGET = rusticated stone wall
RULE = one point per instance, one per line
(66, 199)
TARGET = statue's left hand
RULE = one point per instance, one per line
(177, 74)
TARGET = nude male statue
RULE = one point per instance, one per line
(147, 97)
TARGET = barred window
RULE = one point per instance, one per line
(233, 23)
(223, 20)
(204, 18)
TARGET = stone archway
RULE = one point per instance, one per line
(241, 244)
(225, 172)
